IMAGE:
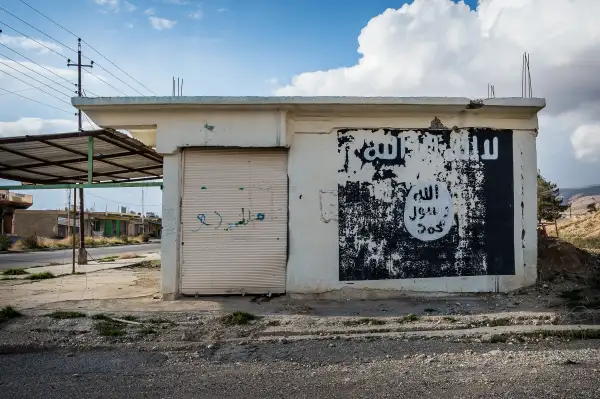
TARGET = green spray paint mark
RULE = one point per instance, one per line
(242, 188)
(203, 188)
(209, 127)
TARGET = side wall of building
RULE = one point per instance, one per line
(44, 224)
(455, 242)
(353, 186)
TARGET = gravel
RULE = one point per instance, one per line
(310, 369)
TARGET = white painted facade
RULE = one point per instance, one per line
(307, 128)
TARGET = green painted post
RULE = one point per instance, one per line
(90, 159)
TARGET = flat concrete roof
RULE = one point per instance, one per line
(290, 102)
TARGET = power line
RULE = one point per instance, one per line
(119, 202)
(114, 76)
(33, 70)
(31, 99)
(115, 65)
(32, 78)
(19, 91)
(103, 81)
(31, 38)
(32, 61)
(43, 91)
(86, 43)
(43, 33)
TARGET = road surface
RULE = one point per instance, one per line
(379, 369)
(43, 258)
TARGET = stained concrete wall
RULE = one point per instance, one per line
(44, 223)
(320, 232)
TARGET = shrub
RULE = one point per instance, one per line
(30, 242)
(8, 312)
(40, 276)
(238, 318)
(14, 272)
(4, 242)
(63, 314)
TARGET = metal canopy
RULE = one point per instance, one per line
(98, 156)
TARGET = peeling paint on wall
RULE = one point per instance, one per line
(425, 203)
(328, 202)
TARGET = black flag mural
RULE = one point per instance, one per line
(425, 203)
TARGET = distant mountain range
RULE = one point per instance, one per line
(588, 191)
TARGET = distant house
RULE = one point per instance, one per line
(9, 202)
(59, 224)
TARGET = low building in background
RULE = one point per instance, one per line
(9, 202)
(59, 224)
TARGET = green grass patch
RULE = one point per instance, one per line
(101, 316)
(14, 272)
(64, 314)
(109, 258)
(147, 330)
(8, 312)
(160, 320)
(129, 317)
(409, 318)
(40, 276)
(364, 321)
(110, 328)
(238, 318)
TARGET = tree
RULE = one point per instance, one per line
(550, 205)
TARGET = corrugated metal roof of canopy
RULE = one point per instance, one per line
(63, 158)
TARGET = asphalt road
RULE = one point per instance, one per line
(43, 258)
(314, 369)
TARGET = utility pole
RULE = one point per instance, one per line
(143, 223)
(82, 259)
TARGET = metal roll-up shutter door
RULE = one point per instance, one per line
(234, 221)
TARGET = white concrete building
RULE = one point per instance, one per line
(340, 195)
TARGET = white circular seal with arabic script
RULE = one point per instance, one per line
(428, 211)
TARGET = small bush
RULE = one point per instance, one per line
(62, 314)
(40, 276)
(14, 272)
(101, 316)
(109, 258)
(129, 317)
(147, 330)
(408, 318)
(159, 320)
(238, 318)
(4, 242)
(365, 321)
(109, 328)
(8, 312)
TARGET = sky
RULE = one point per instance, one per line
(308, 47)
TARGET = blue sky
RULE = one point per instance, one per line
(257, 47)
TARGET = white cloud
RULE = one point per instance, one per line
(130, 7)
(196, 14)
(28, 68)
(36, 126)
(586, 142)
(21, 42)
(112, 5)
(178, 2)
(222, 9)
(129, 25)
(442, 48)
(149, 11)
(161, 23)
